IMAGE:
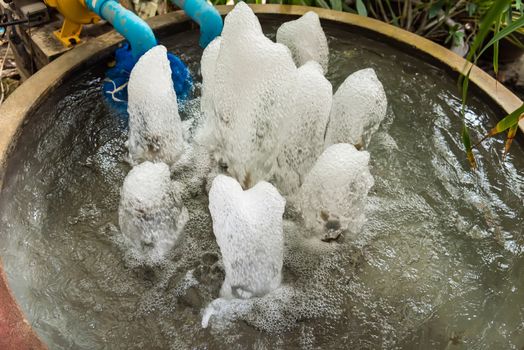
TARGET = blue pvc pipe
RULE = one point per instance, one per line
(205, 15)
(133, 28)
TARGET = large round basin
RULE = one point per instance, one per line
(58, 136)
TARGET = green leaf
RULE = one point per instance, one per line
(465, 86)
(459, 37)
(497, 9)
(361, 8)
(336, 5)
(456, 34)
(508, 121)
(322, 3)
(394, 17)
(472, 8)
(435, 8)
(466, 141)
(496, 47)
(395, 21)
(518, 5)
(514, 26)
(346, 8)
(509, 140)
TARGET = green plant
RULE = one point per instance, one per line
(513, 13)
(499, 19)
(442, 20)
(446, 21)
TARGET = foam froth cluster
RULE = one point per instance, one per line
(304, 138)
(306, 40)
(155, 128)
(359, 106)
(267, 109)
(269, 126)
(151, 213)
(333, 196)
(266, 119)
(246, 97)
(248, 229)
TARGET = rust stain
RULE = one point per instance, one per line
(15, 331)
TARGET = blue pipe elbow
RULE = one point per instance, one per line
(141, 39)
(205, 15)
(125, 22)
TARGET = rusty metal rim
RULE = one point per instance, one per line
(32, 93)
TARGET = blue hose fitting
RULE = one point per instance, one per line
(141, 39)
(125, 22)
(205, 15)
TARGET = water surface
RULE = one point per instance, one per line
(437, 265)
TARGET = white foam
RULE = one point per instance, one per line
(248, 229)
(155, 128)
(334, 194)
(208, 67)
(281, 309)
(359, 106)
(193, 169)
(304, 138)
(151, 215)
(250, 91)
(207, 134)
(306, 40)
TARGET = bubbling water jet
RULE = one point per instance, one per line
(249, 105)
(155, 128)
(306, 40)
(248, 229)
(269, 123)
(263, 119)
(304, 136)
(359, 106)
(151, 214)
(334, 194)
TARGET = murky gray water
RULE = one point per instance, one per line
(437, 265)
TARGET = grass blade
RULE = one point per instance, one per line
(514, 26)
(496, 47)
(466, 141)
(509, 140)
(336, 5)
(322, 3)
(465, 87)
(495, 11)
(361, 8)
(507, 122)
